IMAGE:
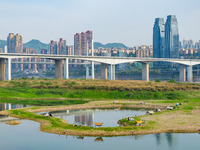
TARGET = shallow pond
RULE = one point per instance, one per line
(109, 117)
(27, 136)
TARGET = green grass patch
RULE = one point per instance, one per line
(43, 102)
(94, 93)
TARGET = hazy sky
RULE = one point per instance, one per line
(126, 21)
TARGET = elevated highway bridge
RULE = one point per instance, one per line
(107, 65)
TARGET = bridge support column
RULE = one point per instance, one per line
(2, 69)
(66, 68)
(145, 71)
(58, 69)
(104, 71)
(90, 71)
(87, 72)
(182, 73)
(8, 69)
(189, 74)
(112, 72)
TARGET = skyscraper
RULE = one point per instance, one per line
(18, 43)
(62, 47)
(70, 50)
(83, 43)
(80, 42)
(159, 38)
(89, 37)
(10, 43)
(53, 47)
(77, 44)
(15, 43)
(171, 37)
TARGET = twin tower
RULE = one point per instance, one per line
(166, 38)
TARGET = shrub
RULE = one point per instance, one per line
(171, 81)
(48, 83)
(57, 87)
(157, 80)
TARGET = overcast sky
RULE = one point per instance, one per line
(126, 21)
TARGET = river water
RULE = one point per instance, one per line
(27, 135)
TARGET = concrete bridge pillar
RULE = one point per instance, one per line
(182, 73)
(87, 72)
(58, 69)
(104, 71)
(2, 69)
(66, 68)
(90, 71)
(189, 74)
(145, 71)
(112, 72)
(8, 69)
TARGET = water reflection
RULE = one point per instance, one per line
(85, 118)
(80, 137)
(169, 139)
(109, 117)
(98, 139)
(8, 106)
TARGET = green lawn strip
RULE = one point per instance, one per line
(43, 102)
(27, 92)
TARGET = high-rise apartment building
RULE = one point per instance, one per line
(62, 47)
(10, 43)
(89, 37)
(83, 43)
(159, 38)
(70, 50)
(171, 37)
(58, 48)
(80, 42)
(53, 47)
(77, 44)
(18, 43)
(15, 43)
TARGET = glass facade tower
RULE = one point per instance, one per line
(171, 37)
(159, 38)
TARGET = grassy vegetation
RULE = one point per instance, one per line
(43, 102)
(97, 89)
(23, 92)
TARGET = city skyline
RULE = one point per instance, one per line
(111, 21)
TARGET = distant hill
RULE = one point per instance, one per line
(109, 45)
(36, 45)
